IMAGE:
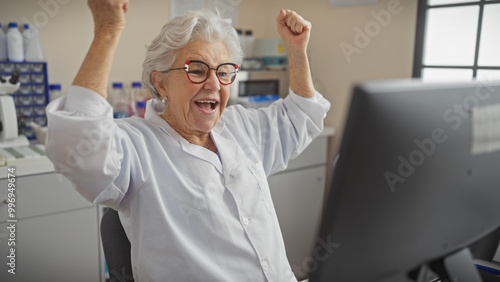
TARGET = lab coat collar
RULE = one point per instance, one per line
(154, 108)
(225, 145)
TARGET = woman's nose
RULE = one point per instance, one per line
(212, 82)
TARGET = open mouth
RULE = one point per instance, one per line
(207, 106)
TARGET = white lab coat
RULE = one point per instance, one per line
(190, 214)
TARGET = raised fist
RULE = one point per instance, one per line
(294, 30)
(109, 15)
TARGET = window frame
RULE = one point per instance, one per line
(423, 7)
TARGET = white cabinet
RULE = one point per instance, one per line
(298, 194)
(56, 232)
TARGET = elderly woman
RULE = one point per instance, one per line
(189, 180)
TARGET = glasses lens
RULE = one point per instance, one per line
(197, 72)
(226, 73)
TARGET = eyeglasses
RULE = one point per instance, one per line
(198, 71)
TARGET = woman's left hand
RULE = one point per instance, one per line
(294, 30)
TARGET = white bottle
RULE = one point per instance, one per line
(54, 91)
(15, 50)
(33, 51)
(26, 36)
(3, 45)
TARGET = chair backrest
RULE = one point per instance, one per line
(116, 247)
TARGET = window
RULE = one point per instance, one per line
(457, 40)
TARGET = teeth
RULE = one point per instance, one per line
(211, 102)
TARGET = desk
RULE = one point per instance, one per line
(56, 231)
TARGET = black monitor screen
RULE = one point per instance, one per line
(417, 179)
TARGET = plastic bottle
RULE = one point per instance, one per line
(113, 92)
(33, 50)
(3, 45)
(26, 36)
(15, 50)
(119, 101)
(131, 99)
(141, 108)
(54, 91)
(139, 99)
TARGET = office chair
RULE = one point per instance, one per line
(116, 247)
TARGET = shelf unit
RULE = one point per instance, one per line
(33, 95)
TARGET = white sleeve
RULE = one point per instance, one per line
(281, 131)
(87, 146)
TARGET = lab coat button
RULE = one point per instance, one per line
(265, 266)
(245, 221)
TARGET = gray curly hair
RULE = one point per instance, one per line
(201, 24)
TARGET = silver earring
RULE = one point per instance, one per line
(164, 100)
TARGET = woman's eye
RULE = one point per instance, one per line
(223, 74)
(197, 72)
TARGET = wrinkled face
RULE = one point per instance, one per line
(195, 108)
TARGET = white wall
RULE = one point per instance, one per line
(388, 53)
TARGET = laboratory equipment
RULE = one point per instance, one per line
(272, 50)
(8, 117)
(259, 88)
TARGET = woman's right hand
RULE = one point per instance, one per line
(109, 21)
(109, 15)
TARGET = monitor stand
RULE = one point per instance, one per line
(457, 267)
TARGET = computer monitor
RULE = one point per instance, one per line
(417, 180)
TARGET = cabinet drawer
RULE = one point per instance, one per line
(41, 194)
(298, 200)
(56, 247)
